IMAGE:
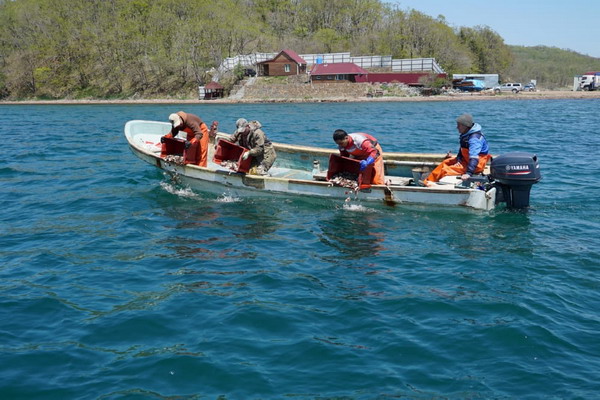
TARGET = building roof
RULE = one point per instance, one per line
(294, 56)
(291, 54)
(338, 68)
(213, 85)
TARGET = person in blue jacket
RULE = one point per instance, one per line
(473, 155)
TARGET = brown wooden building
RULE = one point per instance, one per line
(213, 90)
(286, 63)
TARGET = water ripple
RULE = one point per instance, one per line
(118, 283)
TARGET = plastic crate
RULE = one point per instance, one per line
(228, 151)
(339, 164)
(173, 147)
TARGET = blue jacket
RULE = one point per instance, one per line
(475, 142)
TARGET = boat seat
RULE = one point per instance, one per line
(450, 180)
(398, 180)
(455, 179)
(320, 176)
(288, 173)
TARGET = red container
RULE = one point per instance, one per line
(173, 147)
(228, 151)
(339, 164)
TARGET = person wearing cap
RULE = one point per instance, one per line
(363, 147)
(250, 136)
(197, 136)
(239, 124)
(472, 156)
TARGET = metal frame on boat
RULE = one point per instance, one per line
(294, 174)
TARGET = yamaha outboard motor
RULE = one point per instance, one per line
(513, 175)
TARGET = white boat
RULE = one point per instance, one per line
(294, 173)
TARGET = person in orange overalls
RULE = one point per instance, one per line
(472, 157)
(364, 147)
(196, 145)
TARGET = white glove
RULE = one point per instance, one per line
(246, 155)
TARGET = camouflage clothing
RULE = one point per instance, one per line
(261, 148)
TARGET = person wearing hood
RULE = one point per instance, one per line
(472, 156)
(250, 136)
(197, 136)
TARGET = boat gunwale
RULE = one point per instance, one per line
(394, 157)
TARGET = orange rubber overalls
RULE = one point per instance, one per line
(198, 136)
(460, 165)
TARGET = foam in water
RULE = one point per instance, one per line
(181, 192)
(227, 198)
(356, 207)
(349, 206)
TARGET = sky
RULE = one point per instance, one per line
(572, 25)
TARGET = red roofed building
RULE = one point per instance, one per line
(338, 72)
(213, 90)
(286, 63)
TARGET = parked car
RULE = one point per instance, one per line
(249, 72)
(509, 87)
(530, 87)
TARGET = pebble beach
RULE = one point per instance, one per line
(537, 95)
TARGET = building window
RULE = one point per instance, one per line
(286, 67)
(341, 77)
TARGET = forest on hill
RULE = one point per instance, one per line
(551, 67)
(151, 48)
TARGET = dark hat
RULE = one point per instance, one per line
(466, 120)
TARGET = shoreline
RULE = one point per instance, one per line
(538, 95)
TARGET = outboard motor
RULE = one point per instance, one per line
(514, 174)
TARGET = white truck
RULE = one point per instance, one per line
(590, 81)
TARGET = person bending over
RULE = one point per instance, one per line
(363, 147)
(197, 136)
(250, 136)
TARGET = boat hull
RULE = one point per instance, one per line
(293, 175)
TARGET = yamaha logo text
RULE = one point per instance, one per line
(517, 167)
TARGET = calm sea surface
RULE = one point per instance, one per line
(114, 283)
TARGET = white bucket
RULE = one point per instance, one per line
(419, 174)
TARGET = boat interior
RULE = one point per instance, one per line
(311, 163)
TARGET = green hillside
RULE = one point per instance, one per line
(53, 49)
(553, 68)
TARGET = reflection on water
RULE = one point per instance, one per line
(260, 220)
(353, 234)
(476, 235)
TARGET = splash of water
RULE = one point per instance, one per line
(227, 198)
(180, 192)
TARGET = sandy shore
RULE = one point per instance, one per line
(539, 95)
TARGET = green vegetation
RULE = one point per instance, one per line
(165, 48)
(553, 68)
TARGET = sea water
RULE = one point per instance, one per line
(117, 283)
